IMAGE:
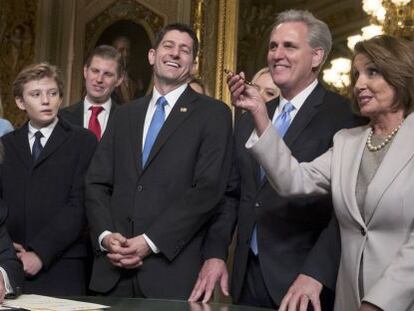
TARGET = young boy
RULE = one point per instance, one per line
(41, 182)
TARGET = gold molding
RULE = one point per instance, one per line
(197, 16)
(226, 45)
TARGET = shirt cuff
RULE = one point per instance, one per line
(254, 138)
(7, 286)
(151, 244)
(100, 239)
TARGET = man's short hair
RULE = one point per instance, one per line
(181, 28)
(107, 52)
(36, 72)
(319, 35)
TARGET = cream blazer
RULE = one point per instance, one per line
(386, 238)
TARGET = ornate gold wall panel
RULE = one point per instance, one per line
(17, 37)
(226, 45)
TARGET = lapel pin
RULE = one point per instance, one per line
(183, 109)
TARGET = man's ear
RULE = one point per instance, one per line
(151, 56)
(20, 103)
(85, 71)
(120, 79)
(317, 57)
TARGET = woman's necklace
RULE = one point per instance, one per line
(373, 148)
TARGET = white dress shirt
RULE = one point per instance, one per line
(103, 116)
(46, 132)
(171, 98)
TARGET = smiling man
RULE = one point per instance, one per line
(103, 72)
(277, 241)
(156, 178)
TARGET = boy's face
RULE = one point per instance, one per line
(41, 101)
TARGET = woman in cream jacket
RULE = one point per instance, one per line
(369, 171)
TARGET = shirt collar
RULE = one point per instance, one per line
(171, 97)
(46, 131)
(106, 105)
(299, 99)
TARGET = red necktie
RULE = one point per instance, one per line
(94, 125)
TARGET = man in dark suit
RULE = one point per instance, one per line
(11, 271)
(103, 72)
(156, 178)
(42, 184)
(277, 240)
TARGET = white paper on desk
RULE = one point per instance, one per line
(38, 302)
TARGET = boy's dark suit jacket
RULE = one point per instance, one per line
(170, 199)
(287, 228)
(74, 113)
(45, 201)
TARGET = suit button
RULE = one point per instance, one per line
(140, 188)
(257, 204)
(363, 232)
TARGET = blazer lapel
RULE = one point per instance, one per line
(349, 169)
(183, 108)
(59, 135)
(271, 108)
(78, 113)
(137, 119)
(21, 144)
(305, 115)
(400, 152)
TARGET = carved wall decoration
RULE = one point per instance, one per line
(197, 21)
(122, 10)
(208, 50)
(17, 36)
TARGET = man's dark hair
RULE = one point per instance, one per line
(181, 28)
(107, 52)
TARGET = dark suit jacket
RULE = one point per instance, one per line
(45, 202)
(74, 113)
(8, 259)
(170, 199)
(287, 228)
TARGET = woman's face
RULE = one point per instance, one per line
(374, 95)
(267, 89)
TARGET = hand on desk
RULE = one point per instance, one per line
(126, 253)
(303, 291)
(213, 271)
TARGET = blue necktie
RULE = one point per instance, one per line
(37, 146)
(281, 124)
(155, 126)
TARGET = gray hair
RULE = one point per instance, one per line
(319, 35)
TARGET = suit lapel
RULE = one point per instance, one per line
(21, 144)
(305, 115)
(350, 168)
(400, 152)
(271, 108)
(183, 108)
(59, 135)
(78, 113)
(137, 119)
